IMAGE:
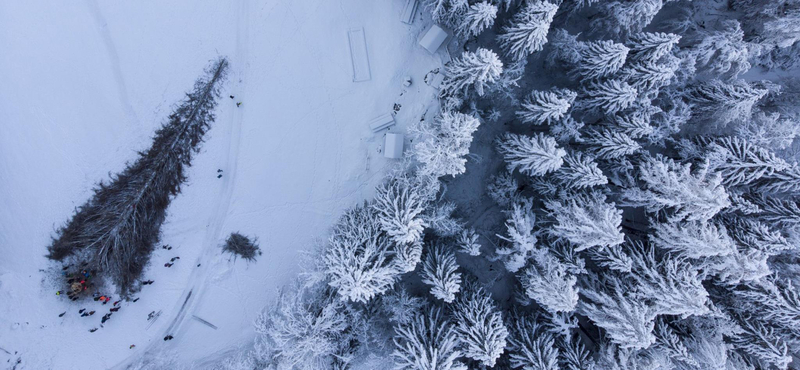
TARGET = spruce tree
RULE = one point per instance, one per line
(472, 71)
(530, 346)
(601, 58)
(607, 144)
(546, 107)
(479, 325)
(580, 172)
(586, 220)
(527, 32)
(721, 103)
(651, 46)
(672, 188)
(114, 233)
(609, 96)
(440, 271)
(533, 155)
(478, 17)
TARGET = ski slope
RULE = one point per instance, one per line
(86, 83)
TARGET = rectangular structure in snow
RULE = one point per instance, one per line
(382, 122)
(393, 147)
(408, 12)
(358, 54)
(433, 39)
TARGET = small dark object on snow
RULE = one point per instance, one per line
(231, 96)
(198, 265)
(115, 309)
(84, 314)
(91, 313)
(81, 310)
(105, 318)
(239, 104)
(168, 264)
(174, 258)
(62, 314)
(166, 246)
(219, 176)
(115, 303)
(168, 337)
(219, 170)
(150, 315)
(240, 245)
(132, 346)
(136, 299)
(148, 282)
(92, 330)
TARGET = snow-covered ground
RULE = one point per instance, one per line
(84, 86)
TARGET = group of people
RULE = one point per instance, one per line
(78, 282)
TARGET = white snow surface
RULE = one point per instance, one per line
(86, 83)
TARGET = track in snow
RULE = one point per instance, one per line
(198, 279)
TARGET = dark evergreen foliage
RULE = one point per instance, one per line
(240, 245)
(114, 232)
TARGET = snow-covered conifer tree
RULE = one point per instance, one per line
(722, 102)
(636, 125)
(760, 341)
(445, 145)
(530, 347)
(575, 357)
(546, 107)
(428, 342)
(357, 261)
(468, 242)
(580, 172)
(504, 189)
(440, 220)
(607, 144)
(650, 75)
(740, 162)
(527, 32)
(694, 240)
(722, 52)
(532, 155)
(627, 321)
(668, 342)
(672, 285)
(567, 130)
(769, 130)
(609, 96)
(601, 58)
(564, 50)
(407, 256)
(398, 209)
(304, 329)
(547, 282)
(672, 187)
(586, 220)
(479, 325)
(477, 18)
(440, 271)
(473, 70)
(651, 46)
(621, 18)
(446, 12)
(521, 236)
(779, 212)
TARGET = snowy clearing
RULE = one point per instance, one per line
(85, 85)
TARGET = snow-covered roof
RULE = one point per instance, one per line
(433, 38)
(393, 147)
